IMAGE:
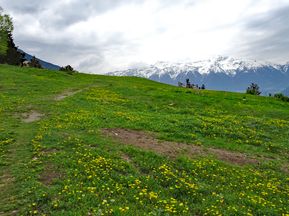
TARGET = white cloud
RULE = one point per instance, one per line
(102, 36)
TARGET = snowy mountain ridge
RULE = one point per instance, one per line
(219, 73)
(227, 65)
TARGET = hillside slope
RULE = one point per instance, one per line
(44, 64)
(90, 145)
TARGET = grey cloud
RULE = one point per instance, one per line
(63, 14)
(267, 36)
(94, 63)
(82, 56)
(168, 3)
(25, 6)
(264, 36)
(63, 50)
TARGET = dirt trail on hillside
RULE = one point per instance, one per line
(70, 92)
(66, 94)
(31, 116)
(147, 141)
(49, 174)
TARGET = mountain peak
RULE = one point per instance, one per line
(219, 73)
(218, 64)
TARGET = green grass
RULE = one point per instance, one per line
(88, 173)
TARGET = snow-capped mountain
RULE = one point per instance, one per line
(219, 73)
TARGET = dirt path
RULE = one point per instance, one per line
(66, 94)
(147, 141)
(71, 92)
(31, 116)
(49, 174)
(19, 154)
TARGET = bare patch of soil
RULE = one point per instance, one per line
(12, 213)
(285, 168)
(233, 157)
(147, 141)
(126, 158)
(31, 116)
(6, 179)
(48, 175)
(50, 151)
(66, 94)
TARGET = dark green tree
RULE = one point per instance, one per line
(13, 56)
(8, 51)
(281, 97)
(253, 89)
(68, 69)
(6, 27)
(188, 83)
(3, 46)
(35, 63)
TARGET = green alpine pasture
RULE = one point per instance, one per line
(55, 159)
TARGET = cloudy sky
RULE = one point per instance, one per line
(105, 35)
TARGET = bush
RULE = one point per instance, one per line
(34, 62)
(68, 69)
(253, 89)
(281, 97)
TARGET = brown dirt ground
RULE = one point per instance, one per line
(50, 151)
(6, 179)
(12, 213)
(147, 141)
(126, 157)
(48, 175)
(285, 168)
(31, 116)
(66, 94)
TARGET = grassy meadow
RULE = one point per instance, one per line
(55, 158)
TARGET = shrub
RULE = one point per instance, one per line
(281, 97)
(35, 63)
(68, 69)
(253, 89)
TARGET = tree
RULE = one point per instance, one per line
(13, 56)
(281, 97)
(6, 23)
(8, 51)
(188, 84)
(203, 86)
(67, 69)
(6, 27)
(253, 89)
(35, 63)
(3, 46)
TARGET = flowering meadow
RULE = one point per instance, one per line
(61, 163)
